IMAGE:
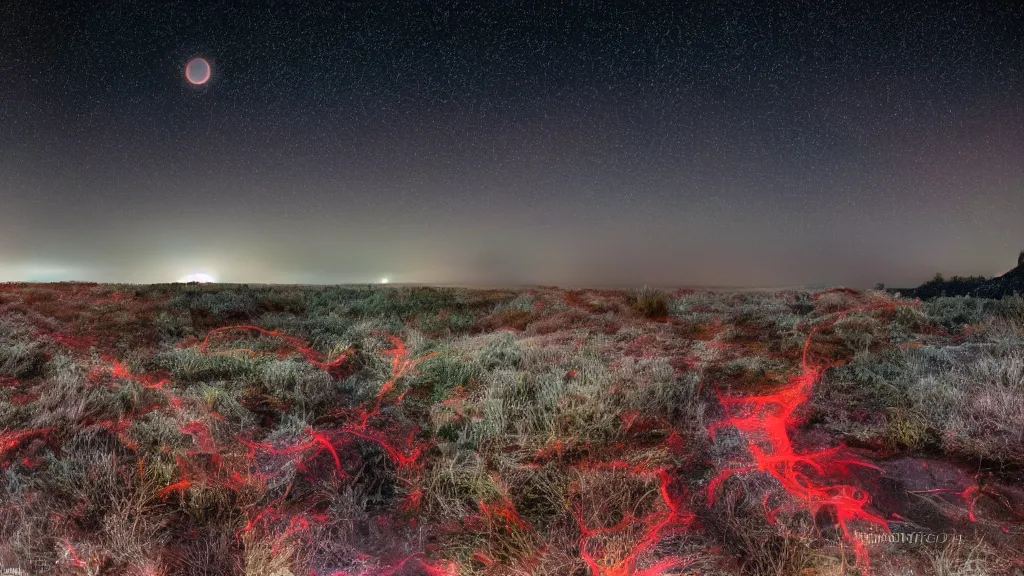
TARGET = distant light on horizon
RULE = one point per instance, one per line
(383, 280)
(198, 277)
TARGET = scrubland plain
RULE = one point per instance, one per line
(356, 431)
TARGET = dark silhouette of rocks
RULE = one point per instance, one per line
(995, 288)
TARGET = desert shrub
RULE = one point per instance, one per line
(1009, 308)
(851, 400)
(738, 520)
(766, 314)
(225, 400)
(148, 291)
(453, 485)
(502, 353)
(953, 313)
(158, 430)
(445, 323)
(111, 518)
(521, 305)
(171, 327)
(333, 299)
(907, 321)
(221, 303)
(404, 303)
(858, 331)
(21, 356)
(444, 374)
(191, 365)
(290, 300)
(958, 558)
(650, 303)
(14, 416)
(300, 382)
(326, 332)
(703, 302)
(293, 325)
(752, 371)
(210, 553)
(21, 359)
(976, 406)
(906, 428)
(801, 303)
(834, 301)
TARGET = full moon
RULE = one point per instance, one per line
(197, 71)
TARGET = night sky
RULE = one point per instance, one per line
(509, 143)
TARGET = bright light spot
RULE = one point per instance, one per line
(383, 280)
(198, 277)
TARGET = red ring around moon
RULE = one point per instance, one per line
(191, 73)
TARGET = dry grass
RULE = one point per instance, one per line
(544, 432)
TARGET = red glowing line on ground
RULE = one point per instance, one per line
(483, 558)
(10, 440)
(426, 568)
(148, 381)
(766, 420)
(297, 344)
(401, 459)
(972, 494)
(203, 436)
(657, 526)
(181, 487)
(261, 516)
(326, 444)
(75, 560)
(317, 440)
(503, 512)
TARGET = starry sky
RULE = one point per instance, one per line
(581, 143)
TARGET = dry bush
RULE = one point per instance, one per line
(650, 303)
(265, 557)
(738, 520)
(976, 406)
(835, 301)
(957, 558)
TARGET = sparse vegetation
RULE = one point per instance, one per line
(650, 303)
(197, 429)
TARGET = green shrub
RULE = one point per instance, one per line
(446, 323)
(190, 365)
(954, 312)
(502, 352)
(220, 303)
(1009, 308)
(522, 303)
(299, 382)
(446, 373)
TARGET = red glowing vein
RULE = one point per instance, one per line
(766, 422)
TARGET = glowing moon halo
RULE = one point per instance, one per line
(197, 71)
